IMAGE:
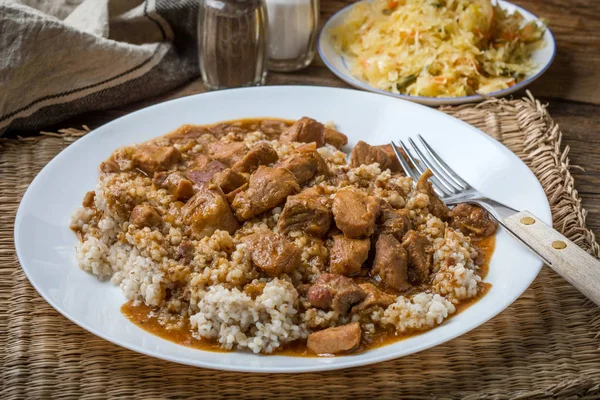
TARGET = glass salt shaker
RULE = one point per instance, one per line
(232, 43)
(293, 26)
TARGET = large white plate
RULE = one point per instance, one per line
(338, 64)
(46, 246)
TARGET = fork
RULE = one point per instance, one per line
(579, 268)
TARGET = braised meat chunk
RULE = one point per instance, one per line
(436, 206)
(395, 165)
(151, 158)
(204, 170)
(305, 130)
(203, 173)
(311, 150)
(348, 255)
(272, 254)
(272, 127)
(88, 200)
(268, 187)
(304, 165)
(144, 215)
(109, 166)
(198, 162)
(375, 297)
(365, 154)
(335, 292)
(307, 147)
(394, 222)
(419, 260)
(228, 180)
(355, 213)
(307, 213)
(390, 262)
(187, 132)
(175, 183)
(335, 340)
(231, 195)
(335, 138)
(473, 220)
(261, 154)
(208, 211)
(227, 153)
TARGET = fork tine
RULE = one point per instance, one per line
(452, 188)
(450, 174)
(412, 159)
(405, 166)
(436, 185)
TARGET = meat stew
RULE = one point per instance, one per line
(265, 205)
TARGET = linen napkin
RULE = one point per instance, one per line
(104, 54)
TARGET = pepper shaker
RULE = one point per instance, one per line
(232, 43)
(293, 28)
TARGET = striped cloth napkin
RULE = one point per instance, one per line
(104, 54)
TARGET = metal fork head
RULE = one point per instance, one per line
(448, 185)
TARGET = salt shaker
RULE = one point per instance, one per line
(293, 28)
(232, 43)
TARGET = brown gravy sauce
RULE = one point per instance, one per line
(139, 315)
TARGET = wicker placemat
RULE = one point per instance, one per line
(545, 345)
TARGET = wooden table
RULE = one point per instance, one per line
(571, 87)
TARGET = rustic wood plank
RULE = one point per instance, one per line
(574, 75)
(579, 124)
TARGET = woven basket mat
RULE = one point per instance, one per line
(545, 345)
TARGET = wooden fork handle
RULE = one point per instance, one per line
(579, 268)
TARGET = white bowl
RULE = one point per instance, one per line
(337, 63)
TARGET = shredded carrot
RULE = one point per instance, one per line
(508, 36)
(526, 32)
(392, 3)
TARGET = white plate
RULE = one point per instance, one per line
(337, 63)
(46, 246)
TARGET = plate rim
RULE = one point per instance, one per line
(359, 84)
(317, 367)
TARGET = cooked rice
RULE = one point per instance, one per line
(236, 321)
